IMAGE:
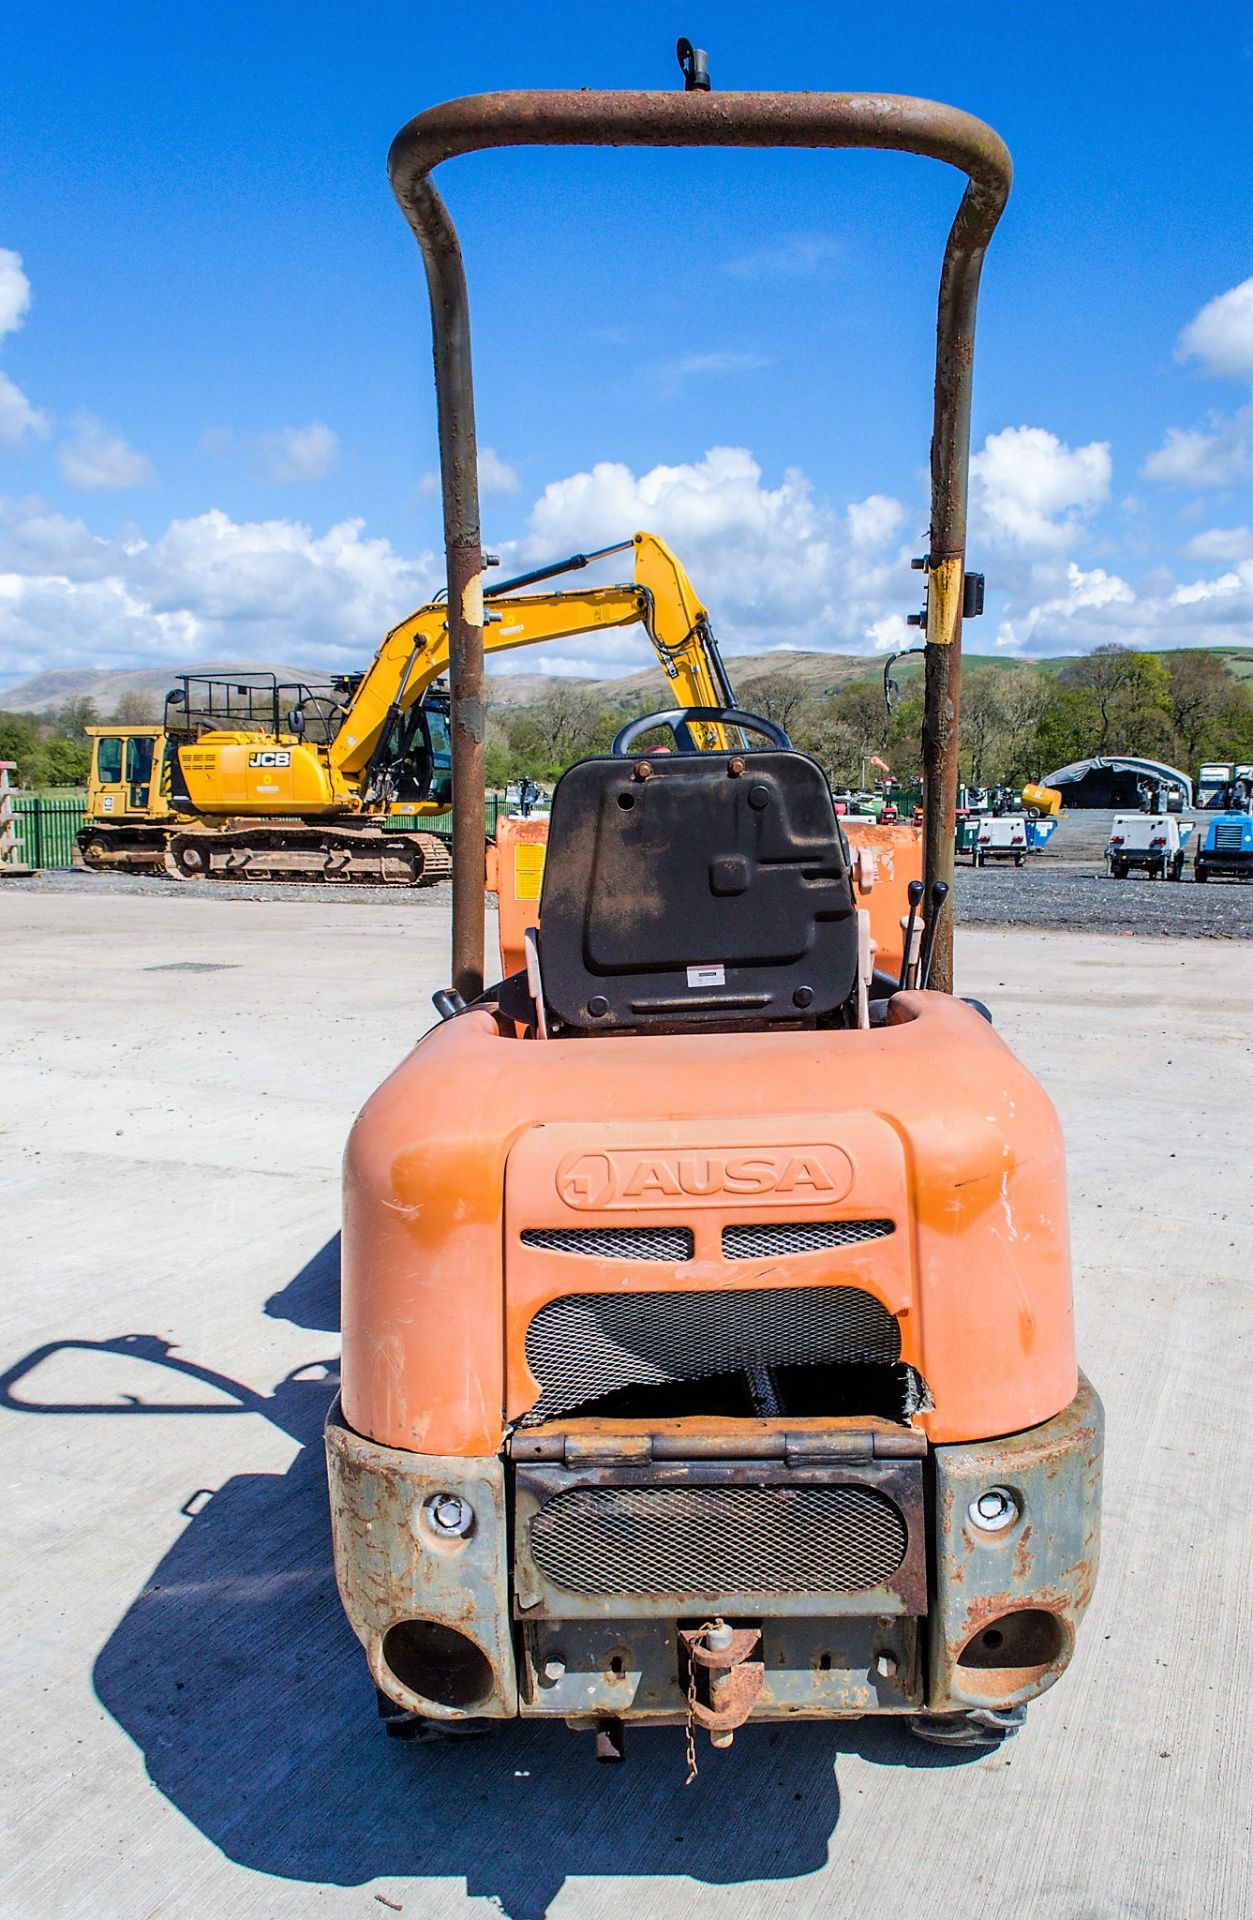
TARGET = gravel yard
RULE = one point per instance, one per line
(1044, 893)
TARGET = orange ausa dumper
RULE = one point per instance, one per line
(708, 1345)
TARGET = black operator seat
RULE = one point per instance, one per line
(685, 890)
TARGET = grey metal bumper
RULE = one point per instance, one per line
(448, 1632)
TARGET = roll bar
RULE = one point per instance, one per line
(696, 119)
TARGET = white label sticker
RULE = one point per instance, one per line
(706, 976)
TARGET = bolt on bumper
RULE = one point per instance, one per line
(1013, 1538)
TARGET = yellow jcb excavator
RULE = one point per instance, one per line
(250, 777)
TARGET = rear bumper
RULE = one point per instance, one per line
(462, 1627)
(1237, 865)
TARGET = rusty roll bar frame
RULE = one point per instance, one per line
(586, 118)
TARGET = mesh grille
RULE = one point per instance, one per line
(718, 1540)
(588, 1344)
(614, 1243)
(770, 1238)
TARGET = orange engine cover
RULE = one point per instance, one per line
(929, 1122)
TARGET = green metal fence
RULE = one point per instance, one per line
(441, 823)
(46, 828)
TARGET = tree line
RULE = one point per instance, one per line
(1018, 721)
(52, 749)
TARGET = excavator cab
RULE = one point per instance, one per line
(708, 1341)
(418, 754)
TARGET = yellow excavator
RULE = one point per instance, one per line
(250, 777)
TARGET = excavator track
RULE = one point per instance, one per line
(96, 850)
(283, 853)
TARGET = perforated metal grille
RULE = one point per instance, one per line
(718, 1539)
(588, 1344)
(768, 1239)
(614, 1243)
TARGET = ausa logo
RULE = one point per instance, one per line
(281, 758)
(636, 1178)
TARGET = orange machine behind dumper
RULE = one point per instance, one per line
(708, 1345)
(884, 862)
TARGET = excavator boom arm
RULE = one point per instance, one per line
(662, 600)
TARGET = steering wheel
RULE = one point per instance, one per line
(676, 717)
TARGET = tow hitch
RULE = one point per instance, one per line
(726, 1664)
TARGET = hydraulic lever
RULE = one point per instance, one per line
(916, 891)
(939, 894)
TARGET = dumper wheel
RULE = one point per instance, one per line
(980, 1727)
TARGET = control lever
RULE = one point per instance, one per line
(448, 1003)
(939, 894)
(916, 891)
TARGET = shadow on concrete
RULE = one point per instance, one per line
(237, 1676)
(311, 1299)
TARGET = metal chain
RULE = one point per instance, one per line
(690, 1723)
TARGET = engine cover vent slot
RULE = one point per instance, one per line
(586, 1345)
(769, 1239)
(697, 1541)
(614, 1243)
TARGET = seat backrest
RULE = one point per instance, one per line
(695, 890)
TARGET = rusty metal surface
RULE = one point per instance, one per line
(389, 1568)
(602, 1442)
(537, 1596)
(634, 1670)
(1046, 1561)
(592, 118)
(733, 1673)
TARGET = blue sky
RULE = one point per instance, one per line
(216, 418)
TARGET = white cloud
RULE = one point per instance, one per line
(1221, 336)
(14, 291)
(1222, 543)
(1220, 454)
(18, 418)
(796, 256)
(1030, 490)
(1191, 457)
(873, 522)
(208, 588)
(297, 455)
(97, 460)
(776, 568)
(670, 377)
(495, 474)
(1073, 610)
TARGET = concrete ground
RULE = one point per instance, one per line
(186, 1727)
